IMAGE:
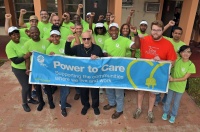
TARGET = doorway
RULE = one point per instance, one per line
(97, 6)
(2, 13)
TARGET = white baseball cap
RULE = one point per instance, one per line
(143, 22)
(12, 28)
(55, 32)
(89, 13)
(99, 25)
(114, 25)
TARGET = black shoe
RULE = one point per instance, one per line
(96, 111)
(51, 105)
(64, 112)
(32, 101)
(26, 107)
(67, 105)
(40, 106)
(84, 110)
(76, 96)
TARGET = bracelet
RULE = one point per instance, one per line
(136, 34)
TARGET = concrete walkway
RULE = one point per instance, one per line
(13, 118)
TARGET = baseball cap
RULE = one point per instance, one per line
(89, 13)
(55, 32)
(144, 22)
(33, 17)
(99, 25)
(114, 25)
(12, 28)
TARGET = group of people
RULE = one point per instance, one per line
(83, 38)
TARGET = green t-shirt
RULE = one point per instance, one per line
(100, 39)
(72, 43)
(176, 45)
(16, 50)
(178, 71)
(137, 51)
(106, 25)
(67, 25)
(22, 32)
(39, 46)
(57, 48)
(65, 32)
(43, 27)
(118, 47)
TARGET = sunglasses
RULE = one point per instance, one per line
(99, 27)
(86, 39)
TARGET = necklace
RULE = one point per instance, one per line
(86, 51)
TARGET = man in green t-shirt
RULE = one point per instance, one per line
(116, 46)
(39, 45)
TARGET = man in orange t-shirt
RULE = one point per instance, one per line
(158, 48)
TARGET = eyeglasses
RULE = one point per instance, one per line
(86, 39)
(154, 30)
(99, 28)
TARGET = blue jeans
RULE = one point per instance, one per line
(158, 98)
(64, 92)
(116, 96)
(176, 97)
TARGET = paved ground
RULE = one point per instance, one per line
(13, 118)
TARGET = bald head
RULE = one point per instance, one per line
(56, 20)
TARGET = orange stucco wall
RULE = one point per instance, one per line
(188, 12)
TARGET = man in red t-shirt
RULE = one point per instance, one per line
(158, 48)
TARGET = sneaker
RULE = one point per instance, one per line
(84, 111)
(164, 116)
(40, 106)
(32, 101)
(137, 113)
(172, 119)
(26, 107)
(33, 94)
(101, 91)
(76, 96)
(150, 117)
(96, 111)
(67, 105)
(64, 112)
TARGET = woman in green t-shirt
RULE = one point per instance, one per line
(14, 51)
(181, 71)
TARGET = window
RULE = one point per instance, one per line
(71, 6)
(52, 6)
(24, 4)
(2, 13)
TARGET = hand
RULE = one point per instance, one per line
(171, 79)
(133, 29)
(92, 14)
(27, 55)
(70, 38)
(8, 16)
(141, 35)
(131, 12)
(156, 58)
(27, 32)
(23, 11)
(73, 29)
(80, 6)
(53, 14)
(27, 72)
(52, 53)
(90, 31)
(112, 18)
(101, 17)
(65, 15)
(171, 23)
(93, 57)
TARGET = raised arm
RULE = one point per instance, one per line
(128, 21)
(170, 24)
(21, 18)
(80, 6)
(112, 18)
(7, 22)
(91, 20)
(136, 45)
(68, 49)
(76, 37)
